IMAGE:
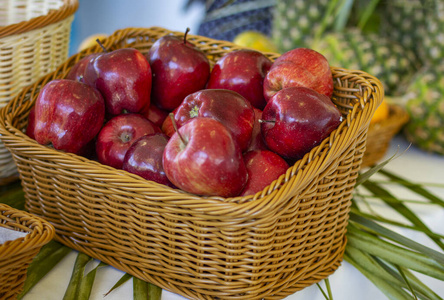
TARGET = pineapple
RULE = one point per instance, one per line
(393, 65)
(433, 38)
(295, 23)
(425, 105)
(403, 21)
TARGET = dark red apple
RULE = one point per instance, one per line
(242, 71)
(155, 114)
(31, 123)
(299, 67)
(263, 167)
(225, 106)
(77, 72)
(203, 158)
(297, 119)
(123, 77)
(179, 69)
(117, 136)
(68, 115)
(257, 141)
(144, 158)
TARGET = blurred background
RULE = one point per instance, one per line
(401, 42)
(106, 16)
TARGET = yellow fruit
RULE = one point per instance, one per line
(91, 41)
(255, 40)
(381, 113)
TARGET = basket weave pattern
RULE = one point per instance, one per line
(16, 255)
(287, 237)
(380, 135)
(34, 40)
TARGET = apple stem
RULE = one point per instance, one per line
(185, 35)
(101, 45)
(171, 115)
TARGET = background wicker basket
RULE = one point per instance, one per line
(34, 40)
(16, 255)
(380, 134)
(284, 238)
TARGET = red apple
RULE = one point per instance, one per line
(257, 141)
(117, 136)
(179, 69)
(225, 106)
(299, 67)
(144, 158)
(68, 115)
(155, 114)
(242, 71)
(31, 123)
(167, 127)
(77, 72)
(123, 77)
(297, 119)
(203, 158)
(263, 167)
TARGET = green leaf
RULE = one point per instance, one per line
(328, 296)
(154, 292)
(358, 259)
(73, 290)
(48, 257)
(381, 219)
(394, 254)
(121, 281)
(87, 283)
(402, 240)
(373, 170)
(418, 189)
(140, 289)
(13, 195)
(367, 13)
(397, 205)
(343, 14)
(423, 291)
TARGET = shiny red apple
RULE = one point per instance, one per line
(123, 77)
(31, 123)
(297, 119)
(299, 67)
(144, 158)
(263, 167)
(117, 136)
(77, 72)
(225, 106)
(179, 69)
(68, 115)
(202, 158)
(257, 141)
(242, 71)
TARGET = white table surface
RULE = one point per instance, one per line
(346, 282)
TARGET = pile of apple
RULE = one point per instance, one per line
(168, 117)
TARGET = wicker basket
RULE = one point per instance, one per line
(380, 135)
(34, 40)
(16, 255)
(287, 237)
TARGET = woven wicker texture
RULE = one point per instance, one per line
(34, 40)
(380, 135)
(16, 255)
(266, 246)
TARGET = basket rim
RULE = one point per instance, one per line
(53, 16)
(40, 234)
(314, 161)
